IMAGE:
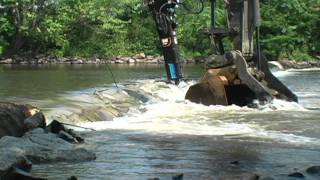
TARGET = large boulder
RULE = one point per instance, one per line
(13, 116)
(37, 146)
(41, 147)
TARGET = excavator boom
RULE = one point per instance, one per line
(236, 77)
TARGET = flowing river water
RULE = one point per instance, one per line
(156, 133)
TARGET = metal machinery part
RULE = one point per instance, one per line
(164, 14)
(235, 77)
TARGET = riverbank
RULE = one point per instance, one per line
(136, 59)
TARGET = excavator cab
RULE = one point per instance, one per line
(239, 76)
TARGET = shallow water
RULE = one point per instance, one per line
(159, 134)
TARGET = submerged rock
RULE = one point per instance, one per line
(244, 176)
(178, 177)
(314, 170)
(267, 178)
(73, 178)
(296, 175)
(18, 174)
(235, 162)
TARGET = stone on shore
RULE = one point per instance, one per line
(299, 65)
(6, 61)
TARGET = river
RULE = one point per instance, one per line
(159, 134)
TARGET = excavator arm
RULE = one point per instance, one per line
(236, 77)
(164, 14)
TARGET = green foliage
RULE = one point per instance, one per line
(290, 29)
(110, 28)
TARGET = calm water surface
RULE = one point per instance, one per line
(159, 134)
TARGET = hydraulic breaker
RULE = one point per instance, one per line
(164, 14)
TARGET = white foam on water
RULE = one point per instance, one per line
(282, 73)
(168, 113)
(304, 70)
(285, 137)
(281, 105)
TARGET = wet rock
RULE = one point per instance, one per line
(67, 137)
(178, 177)
(9, 159)
(267, 178)
(41, 147)
(12, 118)
(296, 175)
(55, 127)
(153, 179)
(13, 166)
(36, 121)
(235, 162)
(314, 170)
(244, 176)
(66, 134)
(72, 178)
(18, 174)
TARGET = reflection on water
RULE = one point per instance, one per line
(48, 81)
(159, 134)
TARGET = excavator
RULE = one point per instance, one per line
(238, 76)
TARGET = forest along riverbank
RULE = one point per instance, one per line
(159, 134)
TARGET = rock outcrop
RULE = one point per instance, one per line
(17, 119)
(39, 146)
(25, 139)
